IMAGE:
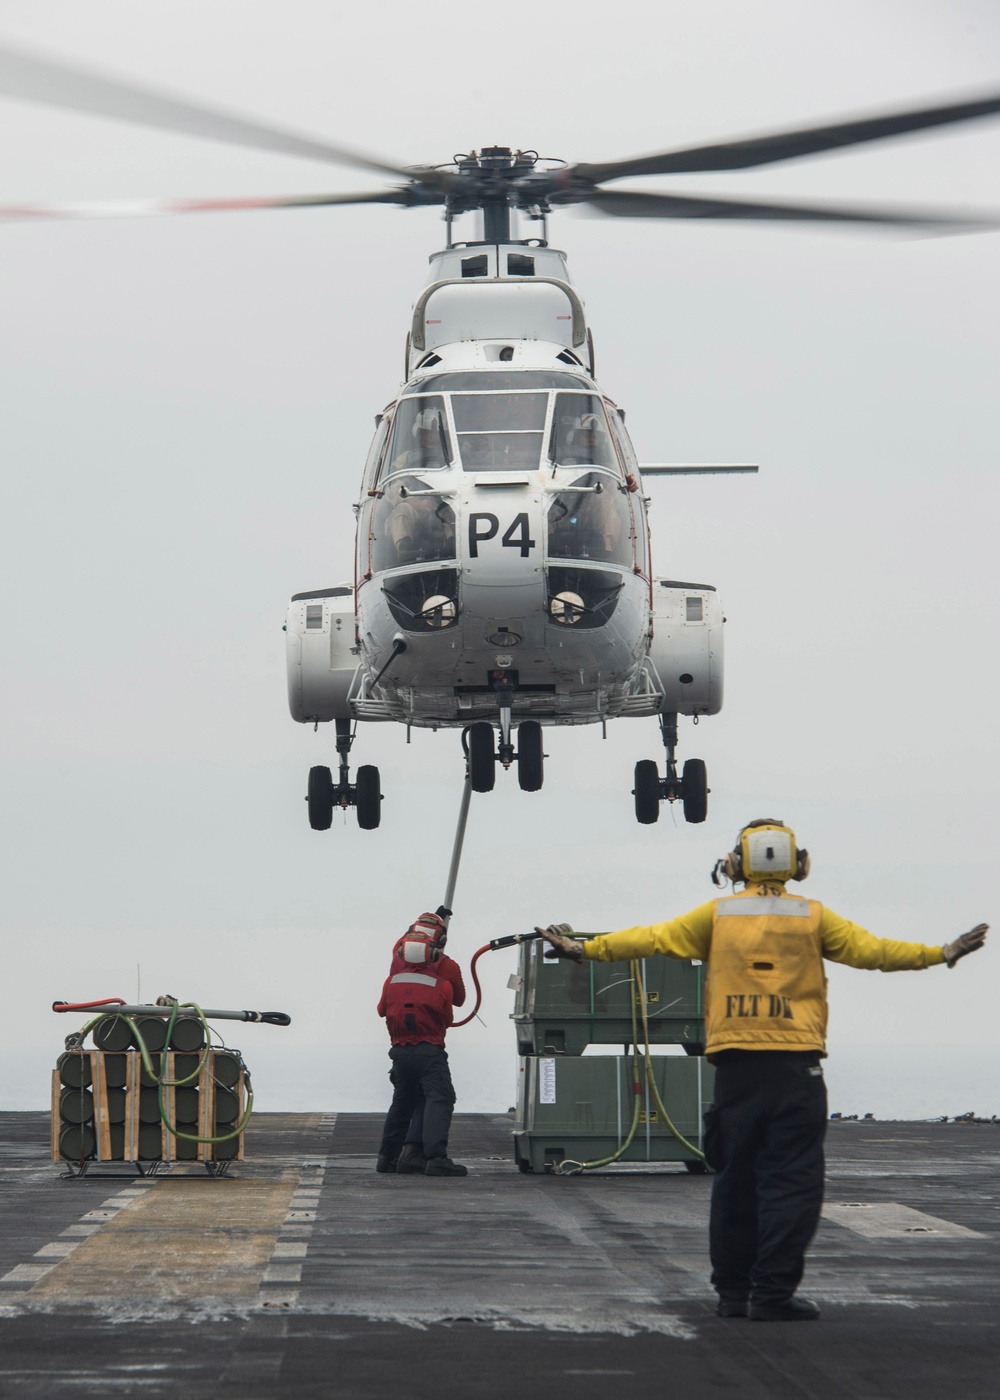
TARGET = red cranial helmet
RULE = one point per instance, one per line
(423, 940)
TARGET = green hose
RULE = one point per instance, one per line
(159, 1076)
(569, 1167)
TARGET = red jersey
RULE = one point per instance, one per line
(417, 1000)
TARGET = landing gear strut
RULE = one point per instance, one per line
(484, 755)
(324, 795)
(690, 786)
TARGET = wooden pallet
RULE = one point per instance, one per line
(207, 1094)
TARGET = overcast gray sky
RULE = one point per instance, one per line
(187, 404)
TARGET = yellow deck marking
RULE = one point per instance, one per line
(182, 1240)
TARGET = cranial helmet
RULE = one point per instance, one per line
(765, 850)
(589, 424)
(429, 421)
(424, 940)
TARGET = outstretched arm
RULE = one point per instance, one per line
(849, 943)
(686, 937)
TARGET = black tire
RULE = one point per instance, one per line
(530, 759)
(647, 792)
(319, 796)
(368, 797)
(696, 1167)
(694, 790)
(482, 757)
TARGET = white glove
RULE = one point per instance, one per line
(967, 943)
(561, 939)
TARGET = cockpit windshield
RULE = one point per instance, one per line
(580, 435)
(499, 432)
(496, 381)
(420, 440)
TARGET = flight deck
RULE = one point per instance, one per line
(305, 1273)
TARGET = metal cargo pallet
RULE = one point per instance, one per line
(580, 1109)
(562, 1007)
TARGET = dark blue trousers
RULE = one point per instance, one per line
(419, 1070)
(764, 1138)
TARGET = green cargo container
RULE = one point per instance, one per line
(562, 1007)
(581, 1108)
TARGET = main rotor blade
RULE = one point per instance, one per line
(787, 145)
(35, 79)
(145, 208)
(637, 205)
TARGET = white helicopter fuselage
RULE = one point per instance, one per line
(502, 545)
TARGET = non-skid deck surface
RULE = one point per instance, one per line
(306, 1273)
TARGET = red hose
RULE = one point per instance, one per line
(86, 1005)
(479, 991)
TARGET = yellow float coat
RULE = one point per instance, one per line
(764, 949)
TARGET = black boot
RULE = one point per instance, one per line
(787, 1310)
(732, 1307)
(444, 1166)
(385, 1163)
(411, 1159)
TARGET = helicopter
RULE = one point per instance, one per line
(503, 581)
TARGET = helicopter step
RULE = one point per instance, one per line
(690, 787)
(483, 754)
(323, 795)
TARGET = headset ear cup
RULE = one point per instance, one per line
(802, 865)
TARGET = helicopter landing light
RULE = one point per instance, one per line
(567, 608)
(503, 638)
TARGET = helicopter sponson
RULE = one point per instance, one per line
(502, 573)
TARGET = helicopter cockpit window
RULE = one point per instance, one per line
(591, 520)
(499, 432)
(496, 381)
(420, 440)
(580, 435)
(411, 524)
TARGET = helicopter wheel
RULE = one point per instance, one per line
(647, 792)
(368, 797)
(482, 757)
(694, 790)
(319, 796)
(529, 756)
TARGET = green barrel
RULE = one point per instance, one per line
(115, 1105)
(117, 1134)
(185, 1067)
(187, 1035)
(184, 1149)
(76, 1105)
(149, 1106)
(115, 1071)
(153, 1030)
(74, 1069)
(226, 1070)
(113, 1033)
(146, 1079)
(76, 1141)
(227, 1106)
(225, 1151)
(185, 1105)
(150, 1145)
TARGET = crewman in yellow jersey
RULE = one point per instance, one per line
(765, 1030)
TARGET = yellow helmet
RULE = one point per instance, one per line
(765, 850)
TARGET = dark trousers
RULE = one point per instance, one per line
(419, 1069)
(764, 1138)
